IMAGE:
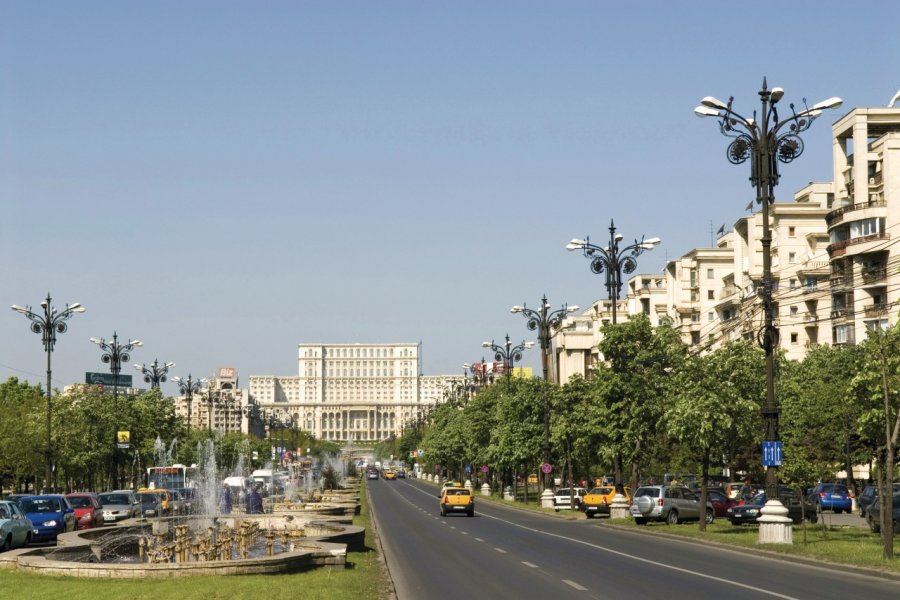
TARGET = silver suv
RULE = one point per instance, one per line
(670, 503)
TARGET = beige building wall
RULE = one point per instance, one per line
(351, 392)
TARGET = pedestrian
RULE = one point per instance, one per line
(254, 501)
(225, 501)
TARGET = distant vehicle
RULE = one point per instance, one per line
(868, 496)
(173, 477)
(390, 475)
(88, 511)
(562, 499)
(50, 514)
(831, 496)
(164, 497)
(598, 500)
(457, 499)
(400, 473)
(749, 512)
(15, 527)
(873, 516)
(670, 503)
(720, 502)
(119, 505)
(150, 505)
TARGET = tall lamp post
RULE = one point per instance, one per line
(766, 140)
(48, 325)
(543, 320)
(613, 260)
(188, 388)
(155, 373)
(508, 354)
(114, 354)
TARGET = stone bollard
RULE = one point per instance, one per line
(547, 498)
(468, 485)
(619, 507)
(508, 494)
(774, 524)
(485, 489)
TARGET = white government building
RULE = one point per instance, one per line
(351, 392)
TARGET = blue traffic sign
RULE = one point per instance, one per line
(771, 452)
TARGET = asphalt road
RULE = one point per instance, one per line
(504, 552)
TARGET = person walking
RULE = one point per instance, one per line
(254, 502)
(225, 500)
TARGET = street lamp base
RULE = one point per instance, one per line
(774, 525)
(619, 507)
(547, 498)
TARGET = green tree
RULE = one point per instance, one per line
(716, 404)
(22, 433)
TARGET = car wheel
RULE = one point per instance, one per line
(710, 516)
(7, 543)
(471, 513)
(589, 515)
(813, 518)
(640, 521)
(672, 517)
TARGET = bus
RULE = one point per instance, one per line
(171, 478)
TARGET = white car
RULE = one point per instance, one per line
(563, 499)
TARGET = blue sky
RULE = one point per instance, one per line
(226, 180)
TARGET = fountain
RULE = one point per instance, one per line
(294, 537)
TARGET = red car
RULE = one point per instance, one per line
(721, 503)
(88, 510)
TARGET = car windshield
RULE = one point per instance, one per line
(601, 491)
(652, 492)
(148, 499)
(114, 499)
(80, 501)
(40, 505)
(562, 492)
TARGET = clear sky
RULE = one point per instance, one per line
(226, 180)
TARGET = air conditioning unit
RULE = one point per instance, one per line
(871, 181)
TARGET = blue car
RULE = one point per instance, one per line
(831, 496)
(50, 515)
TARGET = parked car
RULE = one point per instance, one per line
(50, 514)
(88, 511)
(150, 505)
(119, 505)
(372, 474)
(672, 504)
(16, 497)
(457, 499)
(562, 498)
(720, 502)
(598, 500)
(749, 512)
(868, 496)
(873, 515)
(15, 528)
(831, 496)
(188, 498)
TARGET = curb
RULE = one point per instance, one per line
(382, 558)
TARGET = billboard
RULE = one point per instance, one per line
(226, 372)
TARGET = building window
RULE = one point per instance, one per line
(710, 273)
(794, 339)
(695, 318)
(710, 295)
(792, 232)
(793, 311)
(793, 283)
(792, 257)
(695, 337)
(711, 316)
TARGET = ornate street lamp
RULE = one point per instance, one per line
(543, 320)
(48, 325)
(114, 354)
(612, 260)
(480, 377)
(155, 373)
(188, 388)
(766, 141)
(508, 354)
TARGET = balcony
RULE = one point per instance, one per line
(810, 318)
(872, 275)
(812, 268)
(840, 248)
(876, 310)
(832, 217)
(838, 314)
(840, 280)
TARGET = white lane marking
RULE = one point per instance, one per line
(479, 540)
(464, 532)
(500, 550)
(647, 561)
(528, 564)
(571, 583)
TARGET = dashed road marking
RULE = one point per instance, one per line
(528, 564)
(571, 583)
(500, 550)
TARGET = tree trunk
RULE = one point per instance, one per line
(704, 475)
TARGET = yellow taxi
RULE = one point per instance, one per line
(457, 500)
(390, 475)
(597, 500)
